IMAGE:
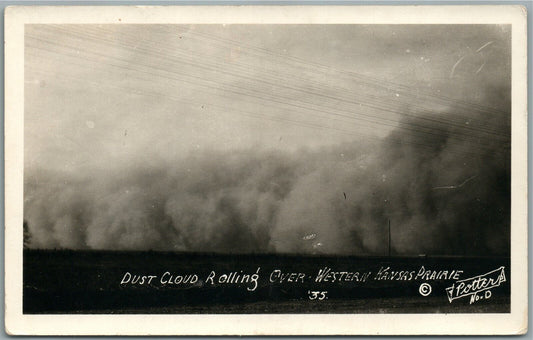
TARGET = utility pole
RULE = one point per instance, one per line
(389, 237)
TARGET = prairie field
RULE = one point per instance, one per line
(113, 282)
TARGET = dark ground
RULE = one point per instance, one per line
(63, 281)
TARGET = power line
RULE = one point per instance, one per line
(337, 97)
(384, 109)
(387, 84)
(149, 66)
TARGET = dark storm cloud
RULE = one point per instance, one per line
(450, 198)
(114, 169)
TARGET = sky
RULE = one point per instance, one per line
(194, 137)
(96, 93)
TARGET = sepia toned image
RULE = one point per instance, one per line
(241, 168)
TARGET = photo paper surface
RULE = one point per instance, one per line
(266, 170)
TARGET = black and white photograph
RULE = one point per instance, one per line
(288, 167)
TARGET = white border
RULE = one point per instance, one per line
(272, 324)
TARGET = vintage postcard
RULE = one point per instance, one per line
(277, 170)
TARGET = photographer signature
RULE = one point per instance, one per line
(477, 287)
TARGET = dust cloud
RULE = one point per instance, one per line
(444, 192)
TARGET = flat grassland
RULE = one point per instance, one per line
(97, 282)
